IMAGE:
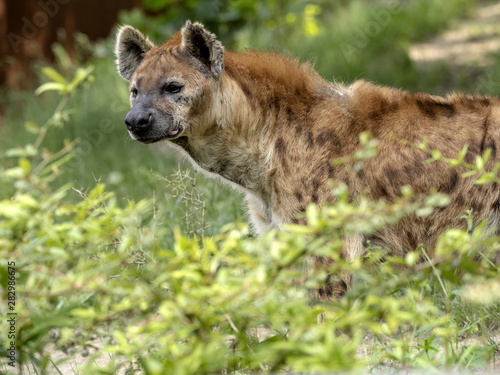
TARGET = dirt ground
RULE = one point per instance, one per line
(470, 43)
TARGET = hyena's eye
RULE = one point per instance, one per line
(133, 92)
(173, 88)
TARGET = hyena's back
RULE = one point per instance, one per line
(402, 121)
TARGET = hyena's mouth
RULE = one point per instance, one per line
(147, 137)
(174, 133)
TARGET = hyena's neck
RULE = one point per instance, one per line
(257, 102)
(233, 142)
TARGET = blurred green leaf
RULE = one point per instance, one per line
(32, 127)
(51, 86)
(54, 75)
(80, 76)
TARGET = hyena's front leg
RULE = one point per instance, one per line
(335, 286)
(261, 219)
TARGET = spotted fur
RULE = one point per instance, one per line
(270, 127)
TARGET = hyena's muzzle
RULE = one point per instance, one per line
(145, 126)
(139, 119)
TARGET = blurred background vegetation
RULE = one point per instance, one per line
(93, 237)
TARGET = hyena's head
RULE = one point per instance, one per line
(171, 87)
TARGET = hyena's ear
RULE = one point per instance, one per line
(204, 46)
(130, 48)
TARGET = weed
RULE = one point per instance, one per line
(184, 187)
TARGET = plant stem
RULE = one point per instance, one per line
(43, 133)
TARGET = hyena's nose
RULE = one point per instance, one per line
(138, 119)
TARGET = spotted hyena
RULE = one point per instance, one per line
(270, 127)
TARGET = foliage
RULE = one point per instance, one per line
(92, 275)
(227, 18)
